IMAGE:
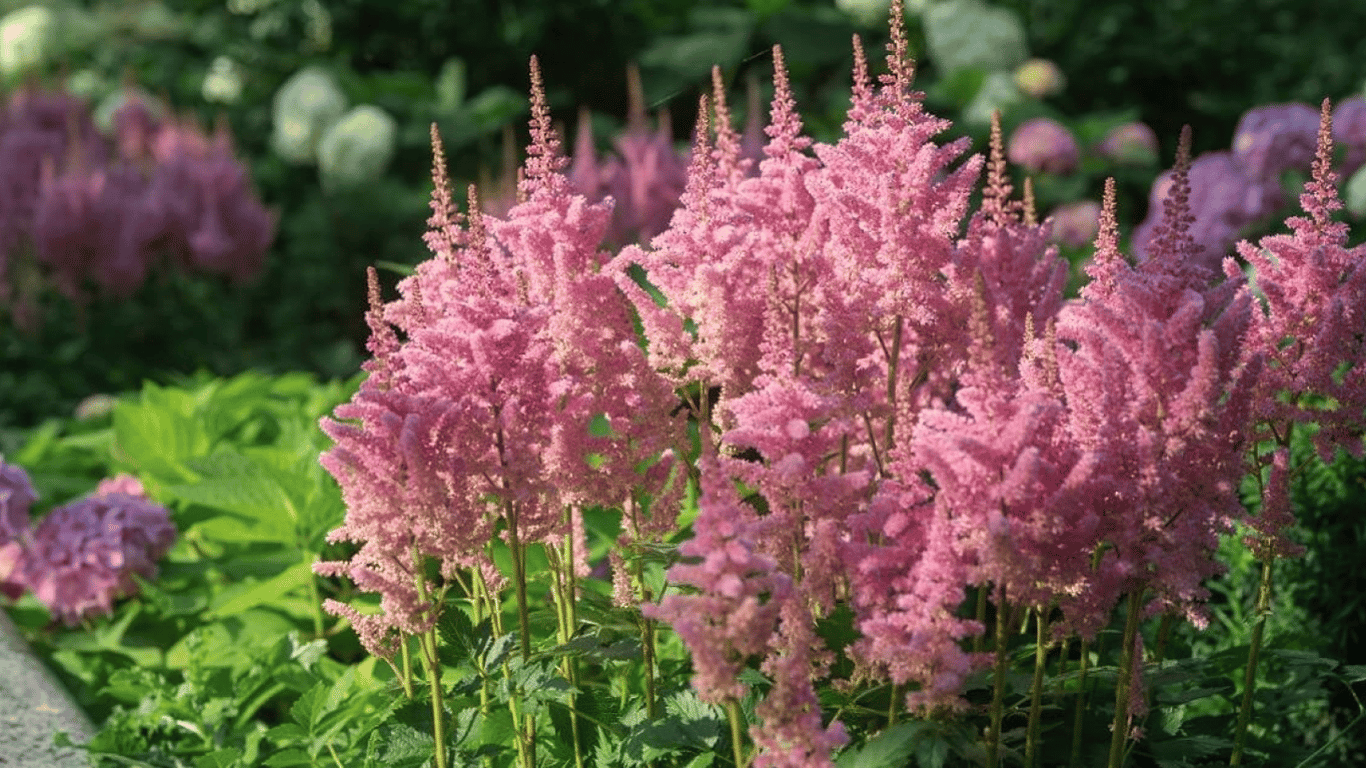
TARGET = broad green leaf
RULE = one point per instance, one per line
(292, 578)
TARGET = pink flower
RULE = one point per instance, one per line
(1042, 145)
(83, 556)
(1129, 144)
(739, 593)
(1075, 224)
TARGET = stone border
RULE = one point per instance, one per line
(33, 707)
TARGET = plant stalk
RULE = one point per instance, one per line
(999, 683)
(1250, 675)
(1120, 731)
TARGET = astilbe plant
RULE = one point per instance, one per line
(906, 414)
(99, 213)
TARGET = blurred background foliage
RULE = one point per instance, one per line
(462, 64)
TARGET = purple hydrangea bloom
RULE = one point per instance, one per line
(16, 496)
(84, 555)
(1349, 130)
(1129, 144)
(1275, 138)
(1044, 145)
(1075, 224)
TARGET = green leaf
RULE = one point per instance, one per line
(231, 603)
(889, 749)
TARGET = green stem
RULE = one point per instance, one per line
(431, 663)
(1036, 689)
(1119, 733)
(1250, 674)
(891, 705)
(316, 599)
(979, 641)
(1078, 719)
(736, 733)
(999, 683)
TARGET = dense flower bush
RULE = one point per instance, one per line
(98, 214)
(917, 416)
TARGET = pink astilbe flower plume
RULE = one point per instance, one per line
(488, 371)
(1310, 336)
(1315, 290)
(739, 593)
(1154, 378)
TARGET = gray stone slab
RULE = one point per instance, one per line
(33, 707)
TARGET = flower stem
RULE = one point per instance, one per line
(1036, 689)
(1075, 760)
(736, 732)
(1119, 733)
(999, 684)
(1250, 675)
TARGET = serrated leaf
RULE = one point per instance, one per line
(310, 706)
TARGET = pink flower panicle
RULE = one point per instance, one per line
(513, 343)
(1153, 379)
(734, 612)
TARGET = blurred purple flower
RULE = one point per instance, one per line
(16, 497)
(1075, 224)
(1044, 145)
(1276, 138)
(1349, 130)
(1129, 144)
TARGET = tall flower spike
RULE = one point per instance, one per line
(445, 219)
(996, 194)
(1172, 242)
(544, 160)
(727, 140)
(784, 124)
(902, 71)
(1108, 262)
(1322, 189)
(1031, 217)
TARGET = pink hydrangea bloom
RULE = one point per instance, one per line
(16, 498)
(1043, 145)
(1075, 224)
(1129, 144)
(83, 556)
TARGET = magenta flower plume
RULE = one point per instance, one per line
(734, 612)
(1156, 383)
(1314, 289)
(514, 343)
(1004, 271)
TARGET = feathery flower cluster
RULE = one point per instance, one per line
(1315, 288)
(101, 212)
(477, 423)
(84, 555)
(911, 407)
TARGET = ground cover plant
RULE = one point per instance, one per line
(829, 472)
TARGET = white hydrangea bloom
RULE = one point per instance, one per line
(964, 34)
(27, 38)
(308, 104)
(358, 148)
(998, 92)
(1355, 193)
(223, 81)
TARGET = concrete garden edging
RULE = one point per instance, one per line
(33, 707)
